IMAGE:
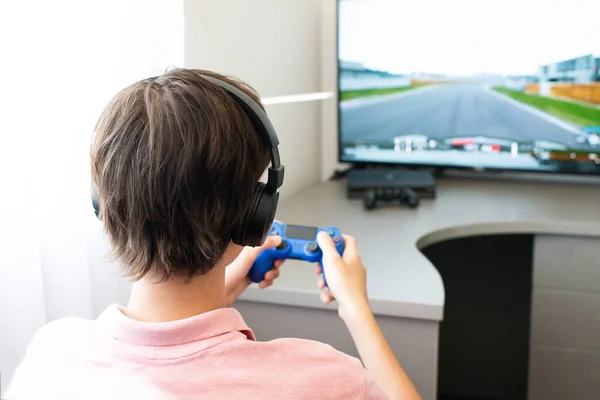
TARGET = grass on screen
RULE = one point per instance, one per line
(574, 112)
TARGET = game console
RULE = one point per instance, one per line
(298, 243)
(360, 180)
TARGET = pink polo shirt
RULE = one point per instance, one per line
(208, 356)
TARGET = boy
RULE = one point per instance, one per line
(175, 165)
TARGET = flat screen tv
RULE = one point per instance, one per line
(496, 84)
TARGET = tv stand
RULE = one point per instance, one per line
(421, 182)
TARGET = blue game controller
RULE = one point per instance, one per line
(298, 243)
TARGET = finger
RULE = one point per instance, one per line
(272, 275)
(321, 283)
(270, 242)
(326, 297)
(318, 270)
(327, 245)
(350, 250)
(348, 238)
(252, 252)
(265, 284)
(278, 263)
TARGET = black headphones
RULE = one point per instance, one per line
(260, 215)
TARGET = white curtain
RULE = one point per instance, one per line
(60, 62)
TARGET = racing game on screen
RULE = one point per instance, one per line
(506, 84)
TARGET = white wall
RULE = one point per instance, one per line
(61, 63)
(329, 83)
(274, 46)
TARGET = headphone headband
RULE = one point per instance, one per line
(262, 124)
(259, 218)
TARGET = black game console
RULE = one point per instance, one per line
(390, 184)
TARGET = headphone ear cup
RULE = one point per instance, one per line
(263, 218)
(258, 219)
(96, 204)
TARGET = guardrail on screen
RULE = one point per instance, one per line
(588, 92)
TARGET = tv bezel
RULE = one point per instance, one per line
(417, 165)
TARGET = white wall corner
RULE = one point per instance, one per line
(278, 57)
(329, 83)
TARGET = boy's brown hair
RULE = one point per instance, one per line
(175, 161)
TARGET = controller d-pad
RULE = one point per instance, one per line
(282, 246)
(312, 247)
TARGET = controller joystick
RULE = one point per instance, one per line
(298, 243)
(370, 199)
(405, 196)
(410, 198)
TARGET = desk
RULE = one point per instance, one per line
(405, 290)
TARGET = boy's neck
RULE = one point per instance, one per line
(175, 299)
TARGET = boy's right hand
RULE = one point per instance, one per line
(346, 276)
(347, 282)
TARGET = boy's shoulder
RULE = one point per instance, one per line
(313, 351)
(51, 345)
(303, 366)
(316, 366)
(61, 337)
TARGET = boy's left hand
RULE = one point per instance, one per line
(236, 273)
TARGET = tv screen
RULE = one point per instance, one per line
(495, 84)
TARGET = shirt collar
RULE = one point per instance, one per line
(199, 327)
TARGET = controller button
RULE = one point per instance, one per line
(282, 246)
(331, 232)
(336, 239)
(274, 232)
(312, 247)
